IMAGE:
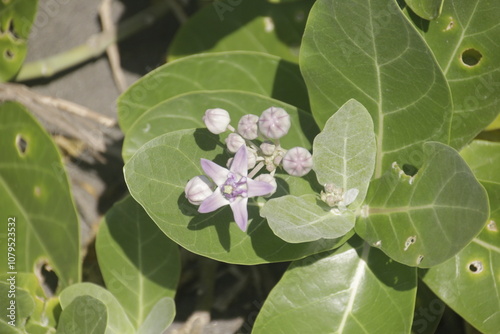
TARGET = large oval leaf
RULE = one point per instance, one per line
(474, 271)
(255, 25)
(463, 41)
(117, 321)
(255, 72)
(84, 315)
(16, 18)
(368, 51)
(32, 179)
(139, 264)
(338, 293)
(186, 112)
(426, 219)
(156, 176)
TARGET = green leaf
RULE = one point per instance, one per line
(367, 50)
(156, 176)
(161, 316)
(16, 305)
(244, 25)
(32, 179)
(16, 18)
(139, 264)
(84, 315)
(345, 150)
(428, 311)
(426, 9)
(301, 219)
(338, 293)
(117, 321)
(344, 155)
(463, 42)
(474, 271)
(186, 112)
(426, 219)
(258, 73)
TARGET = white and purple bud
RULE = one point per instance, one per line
(216, 120)
(297, 161)
(267, 148)
(252, 158)
(268, 178)
(248, 126)
(198, 189)
(274, 123)
(234, 141)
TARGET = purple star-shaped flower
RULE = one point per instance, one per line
(233, 187)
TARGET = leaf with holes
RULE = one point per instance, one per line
(337, 292)
(344, 155)
(426, 9)
(428, 218)
(350, 50)
(244, 25)
(84, 315)
(117, 321)
(16, 18)
(474, 270)
(139, 264)
(258, 73)
(463, 40)
(32, 179)
(156, 177)
(186, 111)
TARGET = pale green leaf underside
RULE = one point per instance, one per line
(345, 150)
(16, 18)
(156, 176)
(139, 264)
(425, 220)
(426, 9)
(117, 321)
(186, 112)
(465, 44)
(256, 25)
(84, 315)
(368, 51)
(301, 219)
(480, 288)
(258, 73)
(337, 293)
(30, 183)
(160, 317)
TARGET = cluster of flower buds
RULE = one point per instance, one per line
(261, 136)
(256, 145)
(335, 196)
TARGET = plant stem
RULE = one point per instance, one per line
(94, 47)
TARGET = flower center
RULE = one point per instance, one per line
(234, 187)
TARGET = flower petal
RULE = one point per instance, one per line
(258, 188)
(216, 172)
(240, 162)
(240, 212)
(213, 202)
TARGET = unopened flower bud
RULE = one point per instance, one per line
(268, 178)
(248, 126)
(234, 141)
(274, 123)
(251, 157)
(297, 161)
(216, 120)
(267, 148)
(198, 189)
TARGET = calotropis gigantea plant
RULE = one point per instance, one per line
(389, 203)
